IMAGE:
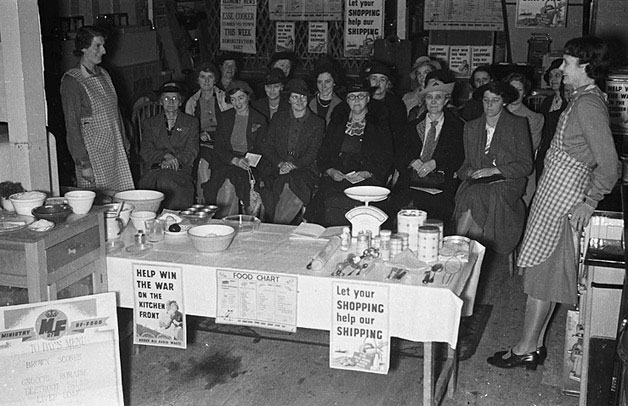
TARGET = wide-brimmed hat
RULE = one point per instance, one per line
(238, 85)
(170, 87)
(378, 68)
(436, 85)
(505, 90)
(274, 75)
(283, 55)
(554, 65)
(297, 86)
(421, 60)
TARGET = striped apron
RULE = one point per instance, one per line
(102, 135)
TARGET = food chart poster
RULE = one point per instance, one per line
(284, 35)
(364, 23)
(541, 14)
(158, 315)
(256, 299)
(317, 37)
(238, 25)
(64, 352)
(359, 337)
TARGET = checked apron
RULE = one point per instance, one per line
(102, 135)
(561, 188)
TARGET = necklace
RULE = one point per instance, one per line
(321, 102)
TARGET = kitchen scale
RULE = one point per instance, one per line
(366, 218)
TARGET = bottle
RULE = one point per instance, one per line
(344, 239)
(384, 236)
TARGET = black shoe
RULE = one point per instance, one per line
(542, 353)
(530, 361)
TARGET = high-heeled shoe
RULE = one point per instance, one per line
(542, 352)
(530, 361)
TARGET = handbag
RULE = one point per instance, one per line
(256, 207)
(434, 179)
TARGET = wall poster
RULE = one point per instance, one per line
(481, 55)
(475, 15)
(305, 10)
(317, 37)
(63, 352)
(237, 26)
(158, 315)
(541, 14)
(359, 336)
(284, 36)
(364, 23)
(439, 53)
(460, 60)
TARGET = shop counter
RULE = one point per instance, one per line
(421, 313)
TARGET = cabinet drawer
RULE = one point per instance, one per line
(72, 248)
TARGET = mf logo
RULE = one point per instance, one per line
(51, 325)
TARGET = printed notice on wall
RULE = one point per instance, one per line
(481, 55)
(237, 25)
(284, 37)
(439, 53)
(317, 37)
(159, 316)
(541, 14)
(460, 60)
(617, 91)
(364, 23)
(468, 15)
(304, 10)
(359, 337)
(256, 299)
(64, 352)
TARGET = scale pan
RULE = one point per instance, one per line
(367, 194)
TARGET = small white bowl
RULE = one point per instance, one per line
(138, 218)
(211, 237)
(125, 214)
(25, 202)
(80, 200)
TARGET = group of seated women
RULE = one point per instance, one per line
(292, 149)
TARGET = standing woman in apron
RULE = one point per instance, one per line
(92, 118)
(581, 167)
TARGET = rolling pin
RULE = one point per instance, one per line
(320, 260)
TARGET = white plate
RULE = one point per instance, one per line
(367, 194)
(179, 236)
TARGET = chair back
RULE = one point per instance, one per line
(143, 108)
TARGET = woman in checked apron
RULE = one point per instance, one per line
(92, 118)
(580, 168)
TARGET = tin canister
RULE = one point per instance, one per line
(617, 91)
(438, 223)
(408, 222)
(428, 243)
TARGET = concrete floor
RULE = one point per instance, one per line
(219, 369)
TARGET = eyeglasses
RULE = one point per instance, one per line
(353, 97)
(296, 97)
(497, 100)
(172, 98)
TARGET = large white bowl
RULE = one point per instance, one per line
(80, 200)
(143, 200)
(25, 202)
(211, 237)
(125, 214)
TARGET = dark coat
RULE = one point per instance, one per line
(262, 106)
(304, 178)
(376, 155)
(392, 110)
(223, 170)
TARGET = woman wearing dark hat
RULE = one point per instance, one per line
(356, 150)
(420, 69)
(325, 100)
(95, 134)
(433, 152)
(240, 130)
(581, 168)
(169, 147)
(473, 108)
(498, 157)
(387, 104)
(294, 137)
(286, 61)
(229, 65)
(274, 100)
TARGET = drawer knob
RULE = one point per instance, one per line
(71, 251)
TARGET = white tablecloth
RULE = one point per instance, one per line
(418, 312)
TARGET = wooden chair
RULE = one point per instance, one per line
(143, 108)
